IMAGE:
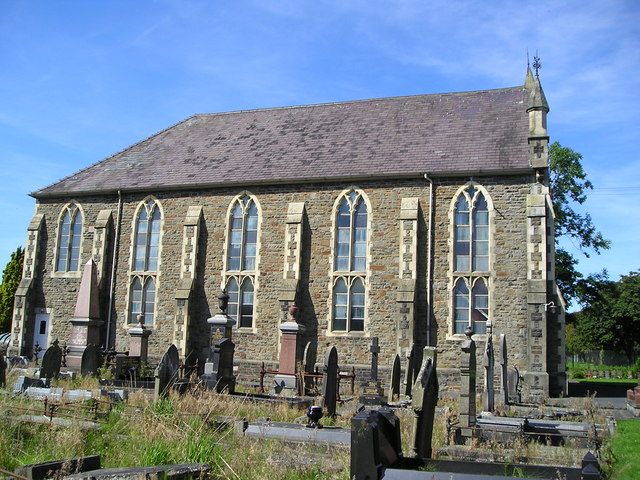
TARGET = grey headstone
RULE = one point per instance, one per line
(166, 372)
(423, 403)
(468, 382)
(396, 373)
(90, 362)
(513, 381)
(51, 361)
(330, 382)
(504, 384)
(488, 392)
(409, 375)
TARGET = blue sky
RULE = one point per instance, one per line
(81, 80)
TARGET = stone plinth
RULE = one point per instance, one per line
(290, 354)
(139, 342)
(84, 331)
(220, 326)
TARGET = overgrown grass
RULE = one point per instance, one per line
(624, 451)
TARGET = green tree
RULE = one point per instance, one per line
(612, 320)
(10, 280)
(569, 186)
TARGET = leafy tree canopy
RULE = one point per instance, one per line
(569, 186)
(612, 319)
(10, 280)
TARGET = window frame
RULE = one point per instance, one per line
(151, 264)
(76, 231)
(246, 267)
(479, 237)
(350, 257)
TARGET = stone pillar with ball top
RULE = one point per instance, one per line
(290, 353)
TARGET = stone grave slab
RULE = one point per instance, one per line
(24, 382)
(292, 432)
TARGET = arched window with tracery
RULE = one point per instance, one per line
(471, 259)
(351, 233)
(69, 239)
(145, 262)
(241, 269)
(147, 238)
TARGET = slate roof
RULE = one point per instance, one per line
(482, 131)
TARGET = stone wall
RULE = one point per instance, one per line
(508, 278)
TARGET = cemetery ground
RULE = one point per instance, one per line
(199, 427)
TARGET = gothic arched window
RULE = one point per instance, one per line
(351, 223)
(147, 238)
(471, 260)
(69, 237)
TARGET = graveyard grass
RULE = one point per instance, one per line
(178, 429)
(625, 452)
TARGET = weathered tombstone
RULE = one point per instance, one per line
(3, 371)
(375, 443)
(504, 384)
(468, 387)
(23, 383)
(373, 393)
(51, 361)
(394, 391)
(423, 403)
(330, 382)
(90, 362)
(488, 395)
(218, 372)
(167, 371)
(309, 367)
(514, 386)
(409, 377)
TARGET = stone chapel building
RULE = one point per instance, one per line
(407, 219)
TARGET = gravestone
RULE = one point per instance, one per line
(488, 395)
(3, 371)
(166, 372)
(23, 383)
(504, 384)
(218, 373)
(373, 393)
(309, 367)
(330, 382)
(409, 375)
(396, 373)
(468, 386)
(423, 403)
(51, 361)
(514, 384)
(90, 362)
(375, 443)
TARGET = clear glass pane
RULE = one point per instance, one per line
(461, 218)
(342, 263)
(481, 264)
(462, 234)
(359, 264)
(462, 264)
(340, 324)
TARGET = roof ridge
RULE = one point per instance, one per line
(362, 100)
(112, 155)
